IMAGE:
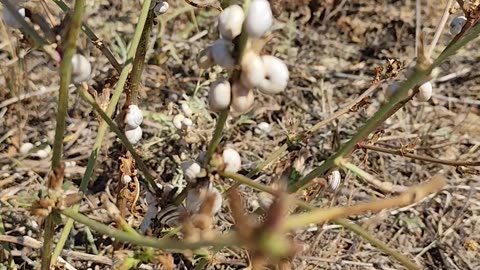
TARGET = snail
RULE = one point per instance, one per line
(219, 95)
(230, 22)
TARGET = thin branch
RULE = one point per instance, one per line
(94, 39)
(440, 26)
(399, 152)
(144, 241)
(65, 78)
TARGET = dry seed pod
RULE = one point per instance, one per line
(232, 160)
(221, 54)
(425, 91)
(219, 95)
(230, 22)
(133, 118)
(457, 24)
(205, 58)
(81, 69)
(253, 70)
(177, 120)
(196, 197)
(259, 18)
(334, 180)
(160, 8)
(242, 98)
(134, 135)
(10, 20)
(276, 75)
(190, 170)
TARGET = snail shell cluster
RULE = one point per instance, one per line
(133, 120)
(266, 73)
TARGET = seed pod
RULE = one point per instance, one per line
(205, 58)
(177, 120)
(196, 197)
(276, 75)
(253, 70)
(134, 135)
(81, 69)
(230, 22)
(190, 170)
(221, 52)
(242, 98)
(232, 160)
(259, 18)
(133, 118)
(425, 91)
(334, 180)
(219, 95)
(457, 24)
(10, 20)
(160, 8)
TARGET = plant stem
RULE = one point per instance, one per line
(217, 135)
(412, 195)
(343, 222)
(131, 89)
(70, 47)
(239, 51)
(93, 38)
(144, 241)
(102, 129)
(399, 152)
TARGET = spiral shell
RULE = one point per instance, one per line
(219, 95)
(259, 18)
(276, 75)
(134, 135)
(81, 69)
(242, 98)
(230, 22)
(134, 117)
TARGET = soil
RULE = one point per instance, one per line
(332, 49)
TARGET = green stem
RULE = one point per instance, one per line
(95, 40)
(387, 109)
(343, 222)
(239, 50)
(102, 129)
(145, 241)
(70, 47)
(217, 135)
(131, 89)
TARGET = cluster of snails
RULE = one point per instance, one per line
(266, 73)
(133, 119)
(192, 170)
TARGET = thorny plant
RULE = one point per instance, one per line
(243, 31)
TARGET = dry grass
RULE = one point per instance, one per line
(331, 62)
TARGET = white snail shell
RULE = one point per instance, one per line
(457, 24)
(219, 95)
(177, 120)
(259, 18)
(81, 69)
(253, 70)
(221, 52)
(205, 58)
(263, 128)
(276, 75)
(186, 109)
(10, 20)
(242, 98)
(134, 117)
(232, 160)
(196, 197)
(160, 8)
(190, 170)
(334, 180)
(186, 123)
(425, 91)
(25, 148)
(134, 135)
(230, 22)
